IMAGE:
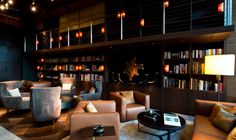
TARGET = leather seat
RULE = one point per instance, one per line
(130, 111)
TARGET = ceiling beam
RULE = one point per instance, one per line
(9, 20)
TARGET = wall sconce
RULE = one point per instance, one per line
(166, 3)
(79, 34)
(38, 67)
(33, 7)
(167, 68)
(121, 14)
(60, 67)
(60, 38)
(78, 67)
(142, 22)
(101, 68)
(43, 33)
(103, 30)
(220, 7)
(42, 60)
(51, 40)
(37, 42)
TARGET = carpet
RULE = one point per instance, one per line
(129, 131)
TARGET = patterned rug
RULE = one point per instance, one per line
(21, 123)
(129, 131)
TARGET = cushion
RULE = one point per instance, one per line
(224, 120)
(66, 86)
(217, 107)
(14, 92)
(129, 96)
(90, 108)
(92, 90)
(232, 134)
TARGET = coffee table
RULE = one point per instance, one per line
(157, 122)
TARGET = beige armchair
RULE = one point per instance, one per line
(46, 103)
(129, 111)
(106, 116)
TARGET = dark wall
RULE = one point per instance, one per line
(11, 53)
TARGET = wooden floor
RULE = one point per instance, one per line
(22, 124)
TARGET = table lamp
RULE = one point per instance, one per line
(220, 65)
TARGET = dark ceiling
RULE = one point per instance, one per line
(20, 11)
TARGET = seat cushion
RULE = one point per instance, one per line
(204, 130)
(133, 110)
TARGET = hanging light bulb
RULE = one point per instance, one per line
(33, 7)
(10, 2)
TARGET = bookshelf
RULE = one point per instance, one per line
(183, 66)
(84, 67)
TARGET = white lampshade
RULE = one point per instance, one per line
(220, 64)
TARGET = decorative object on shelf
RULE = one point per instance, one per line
(219, 65)
(132, 68)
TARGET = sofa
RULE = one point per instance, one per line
(106, 115)
(203, 127)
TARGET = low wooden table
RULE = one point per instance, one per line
(158, 123)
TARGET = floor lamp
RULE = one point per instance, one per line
(220, 65)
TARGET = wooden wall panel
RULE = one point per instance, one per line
(231, 48)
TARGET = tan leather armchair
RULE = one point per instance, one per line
(106, 116)
(130, 111)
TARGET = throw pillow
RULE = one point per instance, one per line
(14, 92)
(224, 120)
(129, 96)
(232, 134)
(66, 86)
(92, 90)
(217, 107)
(90, 108)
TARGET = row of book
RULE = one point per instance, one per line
(179, 55)
(196, 53)
(74, 59)
(202, 53)
(91, 77)
(70, 67)
(194, 84)
(193, 68)
(176, 83)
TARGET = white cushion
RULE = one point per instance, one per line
(66, 86)
(15, 92)
(92, 90)
(90, 108)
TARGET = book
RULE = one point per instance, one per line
(171, 119)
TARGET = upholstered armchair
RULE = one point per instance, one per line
(106, 115)
(130, 103)
(67, 92)
(88, 94)
(22, 100)
(46, 103)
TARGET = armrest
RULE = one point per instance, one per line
(120, 104)
(83, 120)
(142, 98)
